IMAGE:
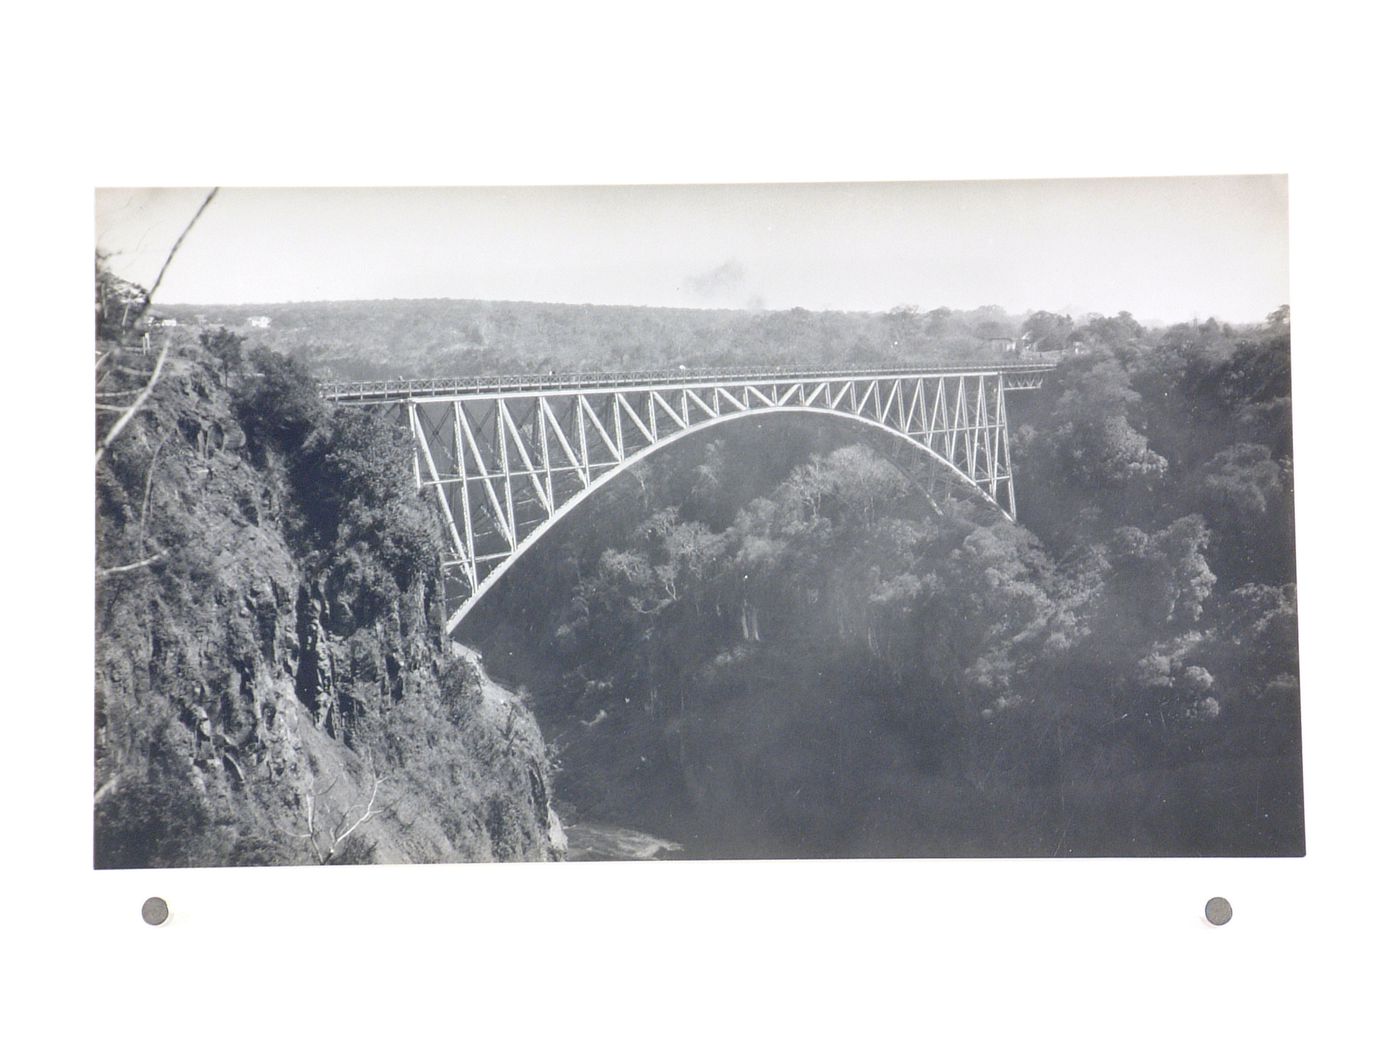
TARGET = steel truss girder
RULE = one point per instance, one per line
(507, 465)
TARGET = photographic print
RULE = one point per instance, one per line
(944, 519)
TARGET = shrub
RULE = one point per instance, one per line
(355, 488)
(281, 406)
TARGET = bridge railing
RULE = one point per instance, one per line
(372, 389)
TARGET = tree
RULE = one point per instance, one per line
(992, 330)
(1247, 494)
(1162, 576)
(117, 300)
(281, 407)
(333, 843)
(356, 491)
(1046, 332)
(903, 322)
(227, 348)
(1118, 333)
(936, 321)
(1090, 437)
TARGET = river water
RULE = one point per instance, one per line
(587, 841)
(603, 842)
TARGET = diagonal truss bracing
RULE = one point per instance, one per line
(506, 464)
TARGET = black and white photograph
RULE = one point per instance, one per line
(698, 525)
(940, 519)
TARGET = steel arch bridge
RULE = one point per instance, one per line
(509, 457)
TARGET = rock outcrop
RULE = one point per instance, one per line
(260, 701)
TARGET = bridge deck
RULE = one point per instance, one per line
(380, 391)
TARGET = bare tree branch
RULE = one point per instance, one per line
(121, 423)
(311, 820)
(115, 569)
(370, 811)
(146, 303)
(106, 789)
(315, 835)
(146, 499)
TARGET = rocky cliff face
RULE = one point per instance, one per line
(262, 700)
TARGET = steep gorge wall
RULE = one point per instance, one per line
(261, 702)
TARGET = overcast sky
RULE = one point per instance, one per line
(1165, 249)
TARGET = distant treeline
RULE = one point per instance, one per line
(421, 337)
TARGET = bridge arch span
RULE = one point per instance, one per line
(562, 510)
(507, 460)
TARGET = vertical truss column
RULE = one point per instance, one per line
(621, 451)
(961, 438)
(437, 484)
(940, 411)
(582, 440)
(569, 453)
(1004, 446)
(525, 458)
(542, 435)
(984, 427)
(503, 458)
(468, 533)
(500, 521)
(410, 415)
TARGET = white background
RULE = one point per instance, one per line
(1001, 953)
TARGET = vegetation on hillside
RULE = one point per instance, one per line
(273, 680)
(768, 644)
